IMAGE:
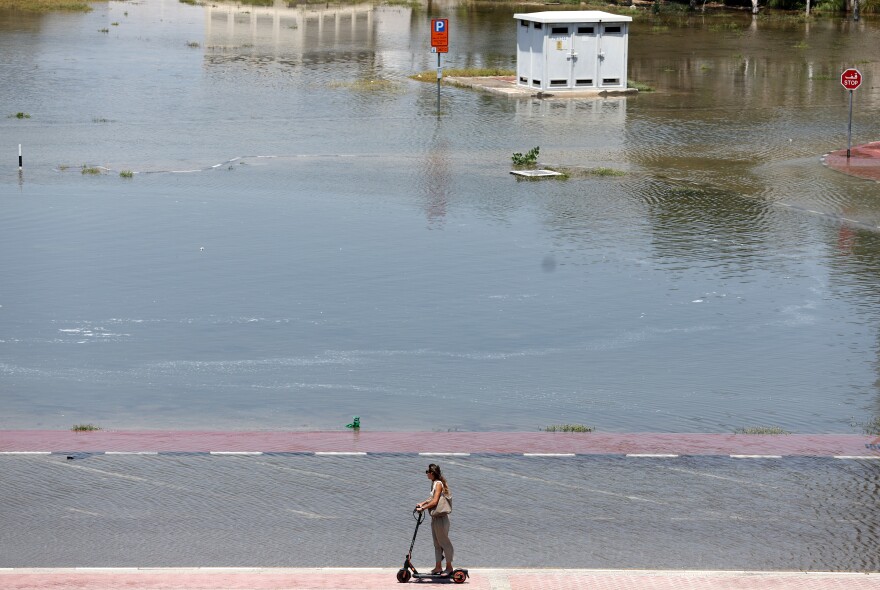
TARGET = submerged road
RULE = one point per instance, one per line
(318, 510)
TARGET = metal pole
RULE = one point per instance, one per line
(19, 157)
(439, 75)
(849, 127)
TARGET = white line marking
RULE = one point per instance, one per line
(25, 452)
(236, 452)
(857, 456)
(756, 456)
(131, 452)
(548, 454)
(652, 455)
(331, 453)
(444, 454)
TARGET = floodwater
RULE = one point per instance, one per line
(305, 238)
(306, 511)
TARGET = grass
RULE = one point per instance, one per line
(365, 85)
(871, 427)
(431, 75)
(90, 170)
(568, 428)
(639, 86)
(761, 430)
(602, 171)
(43, 6)
(126, 174)
(20, 116)
(85, 428)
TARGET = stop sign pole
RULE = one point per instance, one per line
(851, 79)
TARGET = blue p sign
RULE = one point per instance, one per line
(439, 25)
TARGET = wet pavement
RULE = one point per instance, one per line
(375, 578)
(794, 513)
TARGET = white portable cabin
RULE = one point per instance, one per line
(571, 50)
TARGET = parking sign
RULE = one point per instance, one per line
(440, 35)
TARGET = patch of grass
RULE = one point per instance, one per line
(43, 6)
(90, 170)
(761, 430)
(871, 427)
(431, 75)
(85, 428)
(602, 171)
(20, 116)
(126, 174)
(639, 86)
(527, 159)
(568, 428)
(365, 85)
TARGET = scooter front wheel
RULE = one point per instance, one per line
(403, 576)
(459, 576)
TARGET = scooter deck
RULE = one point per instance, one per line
(440, 577)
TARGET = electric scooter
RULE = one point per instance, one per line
(409, 571)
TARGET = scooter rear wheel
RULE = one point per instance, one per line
(458, 576)
(403, 575)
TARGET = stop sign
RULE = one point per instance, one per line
(851, 79)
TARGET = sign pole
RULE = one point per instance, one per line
(439, 76)
(849, 127)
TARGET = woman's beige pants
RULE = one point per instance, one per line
(440, 534)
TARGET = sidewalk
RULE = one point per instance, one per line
(381, 578)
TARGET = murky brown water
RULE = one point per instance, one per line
(316, 243)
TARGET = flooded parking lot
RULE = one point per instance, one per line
(309, 247)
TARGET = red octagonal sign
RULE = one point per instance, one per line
(851, 79)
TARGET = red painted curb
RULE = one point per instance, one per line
(821, 445)
(864, 161)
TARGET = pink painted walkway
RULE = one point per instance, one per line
(864, 161)
(376, 579)
(61, 441)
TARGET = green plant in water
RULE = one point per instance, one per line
(90, 170)
(761, 430)
(529, 158)
(20, 115)
(85, 428)
(601, 171)
(103, 30)
(126, 174)
(568, 428)
(639, 86)
(193, 44)
(355, 423)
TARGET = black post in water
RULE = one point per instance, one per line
(849, 127)
(19, 157)
(439, 75)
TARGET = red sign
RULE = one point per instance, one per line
(851, 79)
(440, 35)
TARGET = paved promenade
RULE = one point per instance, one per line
(372, 578)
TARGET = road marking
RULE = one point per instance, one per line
(652, 455)
(857, 456)
(25, 452)
(131, 452)
(548, 454)
(339, 453)
(236, 452)
(444, 454)
(756, 456)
